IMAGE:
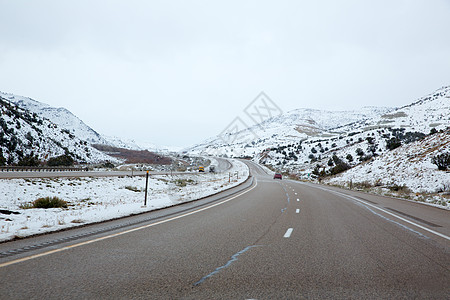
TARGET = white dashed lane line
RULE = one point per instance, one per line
(297, 211)
(288, 232)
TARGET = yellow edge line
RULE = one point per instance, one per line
(122, 232)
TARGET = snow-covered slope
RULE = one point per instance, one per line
(360, 141)
(287, 128)
(26, 138)
(324, 119)
(60, 116)
(431, 111)
(67, 120)
(410, 165)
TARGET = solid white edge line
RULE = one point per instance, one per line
(387, 212)
(398, 217)
(288, 232)
(124, 232)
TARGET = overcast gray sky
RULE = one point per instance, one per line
(177, 72)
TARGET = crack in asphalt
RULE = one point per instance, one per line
(234, 258)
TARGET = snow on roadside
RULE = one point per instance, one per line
(94, 199)
(409, 166)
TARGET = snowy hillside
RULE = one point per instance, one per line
(60, 116)
(360, 141)
(431, 111)
(27, 139)
(67, 120)
(392, 149)
(410, 165)
(290, 127)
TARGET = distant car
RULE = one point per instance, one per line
(201, 169)
(277, 176)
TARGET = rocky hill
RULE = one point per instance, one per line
(68, 121)
(29, 139)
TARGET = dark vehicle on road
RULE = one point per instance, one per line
(277, 176)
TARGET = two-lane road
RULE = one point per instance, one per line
(274, 240)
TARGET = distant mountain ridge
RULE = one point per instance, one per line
(67, 120)
(288, 127)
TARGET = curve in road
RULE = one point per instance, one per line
(277, 239)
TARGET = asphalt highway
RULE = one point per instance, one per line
(269, 239)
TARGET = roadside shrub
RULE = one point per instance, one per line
(362, 185)
(365, 157)
(349, 157)
(340, 165)
(393, 143)
(359, 152)
(62, 160)
(370, 140)
(399, 188)
(2, 159)
(442, 161)
(183, 182)
(378, 182)
(445, 188)
(108, 165)
(132, 188)
(49, 202)
(29, 161)
(318, 172)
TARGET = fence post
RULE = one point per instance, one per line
(146, 187)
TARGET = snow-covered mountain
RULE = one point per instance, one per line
(362, 140)
(287, 128)
(67, 120)
(27, 138)
(60, 116)
(430, 111)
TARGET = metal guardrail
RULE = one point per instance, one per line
(41, 169)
